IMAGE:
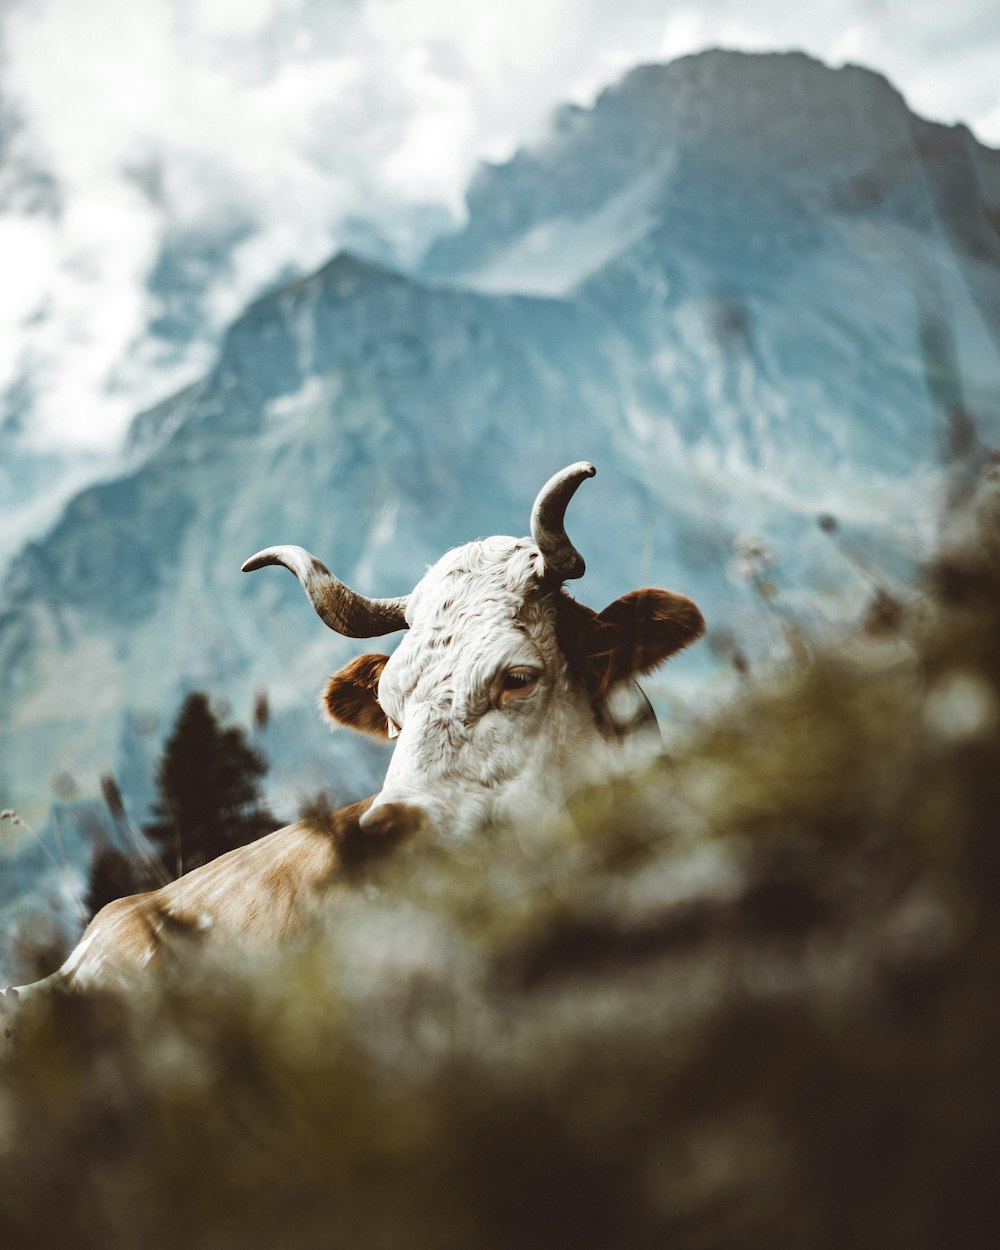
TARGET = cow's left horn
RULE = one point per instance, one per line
(548, 522)
(340, 607)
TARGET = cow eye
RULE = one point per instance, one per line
(516, 683)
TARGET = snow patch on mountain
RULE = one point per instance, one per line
(553, 256)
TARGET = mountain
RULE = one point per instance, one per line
(795, 263)
(751, 289)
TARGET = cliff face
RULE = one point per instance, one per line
(798, 266)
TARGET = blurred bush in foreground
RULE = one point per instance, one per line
(747, 1000)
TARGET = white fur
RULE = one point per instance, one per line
(459, 757)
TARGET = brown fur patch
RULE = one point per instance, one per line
(356, 847)
(632, 636)
(359, 847)
(350, 697)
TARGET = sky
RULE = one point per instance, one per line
(163, 162)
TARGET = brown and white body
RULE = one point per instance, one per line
(266, 892)
(499, 698)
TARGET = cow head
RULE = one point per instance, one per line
(500, 692)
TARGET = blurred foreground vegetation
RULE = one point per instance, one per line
(751, 999)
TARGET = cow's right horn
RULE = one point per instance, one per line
(342, 609)
(548, 529)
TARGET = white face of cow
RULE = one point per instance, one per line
(487, 713)
(497, 695)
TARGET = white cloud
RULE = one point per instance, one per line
(264, 126)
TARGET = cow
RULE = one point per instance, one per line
(501, 697)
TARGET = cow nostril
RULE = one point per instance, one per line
(393, 820)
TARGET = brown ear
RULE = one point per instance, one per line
(633, 635)
(350, 697)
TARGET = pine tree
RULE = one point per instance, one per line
(113, 874)
(208, 790)
(116, 872)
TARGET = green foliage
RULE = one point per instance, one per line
(748, 999)
(208, 790)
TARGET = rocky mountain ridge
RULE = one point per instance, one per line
(751, 289)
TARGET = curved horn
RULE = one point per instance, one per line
(343, 609)
(547, 522)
